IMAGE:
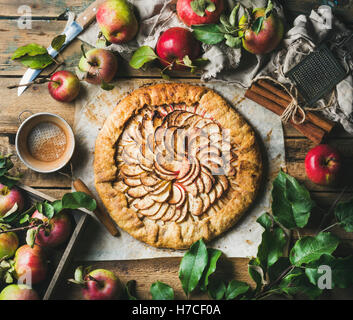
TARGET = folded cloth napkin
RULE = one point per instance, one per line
(238, 66)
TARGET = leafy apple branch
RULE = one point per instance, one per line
(229, 28)
(146, 54)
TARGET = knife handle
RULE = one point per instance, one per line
(86, 17)
(100, 213)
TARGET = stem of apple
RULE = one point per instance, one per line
(100, 283)
(19, 229)
(37, 81)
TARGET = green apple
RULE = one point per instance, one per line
(8, 244)
(117, 21)
(18, 292)
(268, 37)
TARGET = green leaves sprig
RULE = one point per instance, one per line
(146, 54)
(229, 30)
(6, 165)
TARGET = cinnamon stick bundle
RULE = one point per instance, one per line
(276, 100)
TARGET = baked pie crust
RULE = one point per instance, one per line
(175, 163)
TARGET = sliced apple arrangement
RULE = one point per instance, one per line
(174, 162)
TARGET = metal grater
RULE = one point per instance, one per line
(317, 74)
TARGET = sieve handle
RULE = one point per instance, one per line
(22, 113)
(100, 213)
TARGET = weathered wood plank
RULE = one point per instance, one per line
(43, 8)
(46, 8)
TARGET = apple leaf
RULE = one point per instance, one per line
(257, 25)
(233, 42)
(233, 15)
(269, 9)
(309, 249)
(213, 256)
(58, 42)
(161, 291)
(31, 49)
(31, 236)
(341, 269)
(48, 210)
(344, 215)
(142, 56)
(216, 289)
(208, 33)
(76, 200)
(291, 202)
(106, 86)
(130, 290)
(256, 273)
(235, 289)
(192, 266)
(200, 6)
(37, 62)
(296, 282)
(6, 178)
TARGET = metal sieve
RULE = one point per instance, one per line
(45, 142)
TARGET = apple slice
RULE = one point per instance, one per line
(131, 170)
(224, 182)
(211, 128)
(169, 214)
(170, 118)
(212, 195)
(160, 213)
(169, 139)
(192, 189)
(196, 205)
(208, 172)
(219, 190)
(167, 166)
(191, 178)
(207, 182)
(206, 149)
(149, 179)
(152, 210)
(161, 197)
(132, 182)
(206, 201)
(158, 139)
(202, 123)
(161, 188)
(177, 194)
(137, 192)
(199, 184)
(184, 212)
(127, 159)
(144, 203)
(181, 118)
(192, 120)
(121, 186)
(191, 170)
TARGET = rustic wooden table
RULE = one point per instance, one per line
(45, 26)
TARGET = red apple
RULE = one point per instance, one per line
(64, 86)
(101, 284)
(8, 244)
(190, 17)
(31, 263)
(8, 198)
(117, 21)
(269, 36)
(323, 164)
(176, 43)
(56, 231)
(99, 64)
(18, 292)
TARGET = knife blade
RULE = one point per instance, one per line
(71, 31)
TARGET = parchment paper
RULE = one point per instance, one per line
(241, 241)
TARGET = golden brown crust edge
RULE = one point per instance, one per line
(173, 235)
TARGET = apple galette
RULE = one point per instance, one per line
(175, 163)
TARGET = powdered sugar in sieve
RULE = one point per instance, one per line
(47, 142)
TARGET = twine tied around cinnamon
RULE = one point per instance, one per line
(293, 109)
